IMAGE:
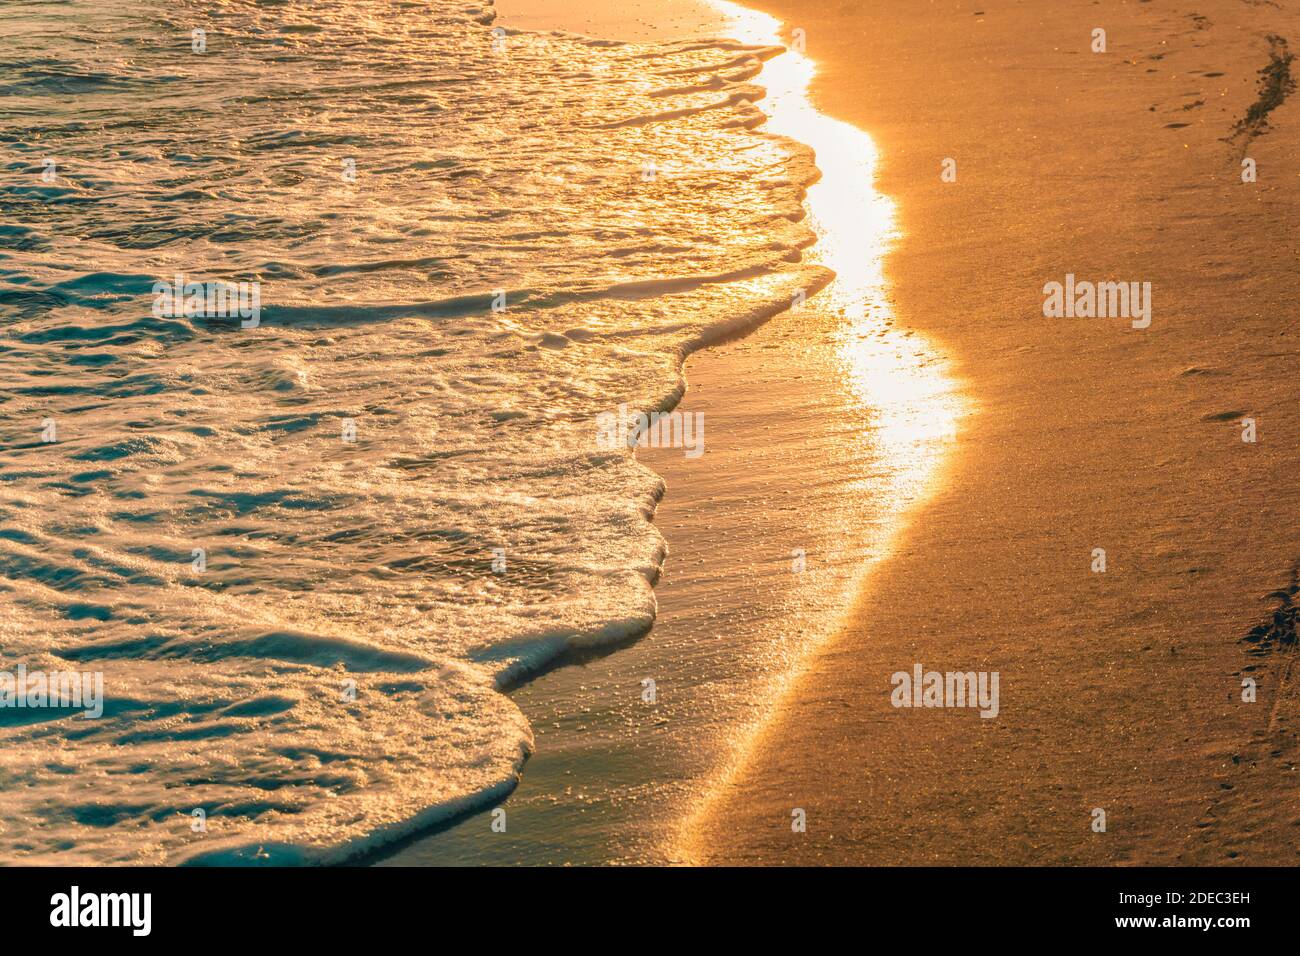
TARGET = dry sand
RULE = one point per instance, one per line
(1121, 690)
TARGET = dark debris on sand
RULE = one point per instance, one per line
(1280, 630)
(1275, 84)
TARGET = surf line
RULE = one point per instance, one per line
(914, 401)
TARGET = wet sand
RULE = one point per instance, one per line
(1120, 691)
(803, 469)
(613, 772)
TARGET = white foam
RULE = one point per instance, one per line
(329, 561)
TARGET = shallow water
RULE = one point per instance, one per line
(399, 492)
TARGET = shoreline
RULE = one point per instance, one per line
(718, 650)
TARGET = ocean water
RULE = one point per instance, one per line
(310, 556)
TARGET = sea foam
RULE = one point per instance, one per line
(332, 676)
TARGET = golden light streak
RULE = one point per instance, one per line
(902, 384)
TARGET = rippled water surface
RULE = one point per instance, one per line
(334, 676)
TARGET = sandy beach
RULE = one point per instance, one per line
(1121, 691)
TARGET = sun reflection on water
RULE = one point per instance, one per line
(902, 383)
(897, 377)
(904, 389)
